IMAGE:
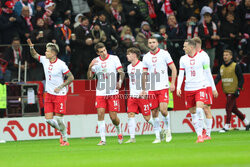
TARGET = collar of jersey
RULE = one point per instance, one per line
(105, 58)
(200, 50)
(194, 55)
(156, 52)
(136, 63)
(54, 61)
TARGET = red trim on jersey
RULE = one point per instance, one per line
(136, 63)
(200, 50)
(170, 63)
(193, 56)
(66, 72)
(105, 58)
(39, 58)
(156, 52)
(144, 68)
(182, 69)
(54, 61)
(118, 68)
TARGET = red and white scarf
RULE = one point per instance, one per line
(189, 32)
(27, 19)
(214, 27)
(29, 5)
(47, 18)
(18, 56)
(147, 34)
(166, 8)
(7, 10)
(116, 15)
(206, 29)
(151, 9)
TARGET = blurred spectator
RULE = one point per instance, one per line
(231, 8)
(192, 27)
(132, 14)
(84, 48)
(25, 25)
(63, 8)
(62, 36)
(187, 10)
(9, 23)
(210, 9)
(78, 19)
(175, 30)
(230, 30)
(208, 32)
(164, 43)
(222, 14)
(47, 16)
(143, 36)
(13, 55)
(147, 10)
(127, 31)
(20, 4)
(112, 37)
(98, 34)
(38, 12)
(80, 6)
(244, 11)
(116, 15)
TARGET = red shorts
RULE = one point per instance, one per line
(110, 103)
(55, 103)
(191, 97)
(157, 97)
(209, 96)
(137, 105)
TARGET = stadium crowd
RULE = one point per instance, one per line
(77, 25)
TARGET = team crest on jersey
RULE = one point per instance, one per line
(154, 59)
(192, 62)
(103, 65)
(50, 68)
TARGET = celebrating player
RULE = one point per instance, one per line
(55, 99)
(106, 67)
(156, 64)
(137, 101)
(210, 91)
(194, 65)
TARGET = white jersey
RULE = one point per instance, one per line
(157, 66)
(54, 74)
(193, 67)
(106, 71)
(206, 57)
(135, 78)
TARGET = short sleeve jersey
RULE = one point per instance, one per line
(135, 78)
(54, 74)
(194, 67)
(157, 66)
(106, 71)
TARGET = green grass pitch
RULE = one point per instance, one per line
(230, 149)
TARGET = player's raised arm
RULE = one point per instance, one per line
(70, 78)
(174, 75)
(33, 52)
(90, 73)
(121, 78)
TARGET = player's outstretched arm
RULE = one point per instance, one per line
(33, 52)
(70, 78)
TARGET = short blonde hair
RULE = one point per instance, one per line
(53, 47)
(197, 40)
